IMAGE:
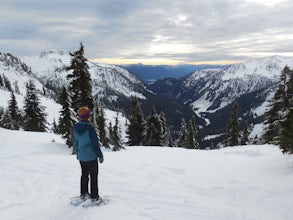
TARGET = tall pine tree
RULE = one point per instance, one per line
(1, 81)
(14, 113)
(116, 136)
(34, 112)
(80, 80)
(166, 135)
(182, 133)
(66, 119)
(276, 110)
(286, 133)
(191, 141)
(232, 132)
(101, 125)
(245, 133)
(154, 130)
(136, 127)
(286, 125)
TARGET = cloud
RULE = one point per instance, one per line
(185, 31)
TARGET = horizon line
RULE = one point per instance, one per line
(155, 62)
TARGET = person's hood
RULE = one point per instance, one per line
(81, 127)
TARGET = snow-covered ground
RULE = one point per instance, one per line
(38, 177)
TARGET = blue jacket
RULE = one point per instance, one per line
(86, 142)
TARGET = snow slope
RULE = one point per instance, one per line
(17, 72)
(39, 176)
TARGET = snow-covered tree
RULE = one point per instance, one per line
(80, 80)
(34, 113)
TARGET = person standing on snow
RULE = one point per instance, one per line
(87, 147)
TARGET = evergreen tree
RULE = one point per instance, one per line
(286, 125)
(35, 116)
(101, 125)
(182, 134)
(286, 133)
(66, 119)
(55, 127)
(80, 80)
(14, 113)
(136, 127)
(170, 142)
(1, 81)
(111, 133)
(276, 110)
(232, 132)
(116, 136)
(165, 132)
(7, 83)
(212, 146)
(154, 130)
(191, 141)
(1, 111)
(6, 120)
(245, 133)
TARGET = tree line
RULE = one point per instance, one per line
(153, 130)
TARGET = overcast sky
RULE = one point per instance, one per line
(149, 31)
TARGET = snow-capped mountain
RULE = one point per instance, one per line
(217, 88)
(48, 71)
(109, 82)
(210, 92)
(17, 72)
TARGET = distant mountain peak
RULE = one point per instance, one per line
(269, 67)
(53, 52)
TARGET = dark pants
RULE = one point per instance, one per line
(89, 168)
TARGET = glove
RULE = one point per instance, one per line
(101, 159)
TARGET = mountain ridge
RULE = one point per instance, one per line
(207, 93)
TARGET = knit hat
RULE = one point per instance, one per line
(84, 113)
